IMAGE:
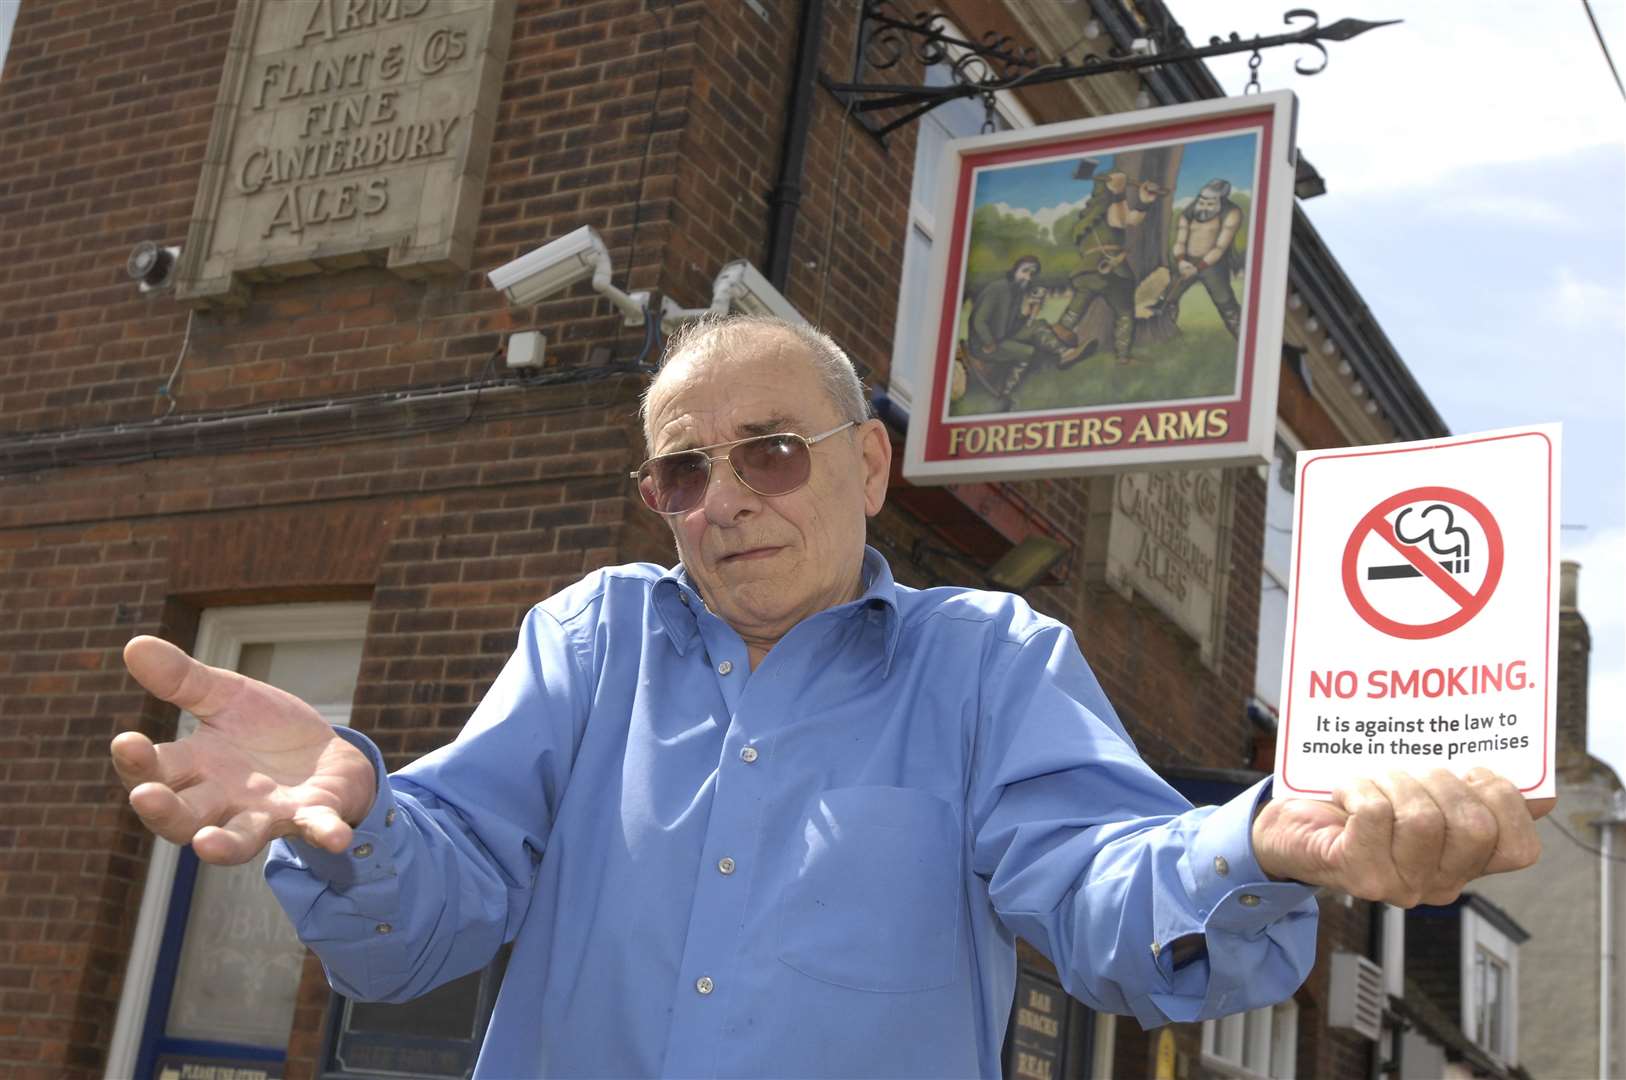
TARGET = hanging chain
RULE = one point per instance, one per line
(989, 125)
(1253, 86)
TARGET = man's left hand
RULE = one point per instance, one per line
(1402, 839)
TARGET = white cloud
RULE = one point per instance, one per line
(1460, 84)
(1522, 207)
(1577, 302)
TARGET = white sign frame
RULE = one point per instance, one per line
(1476, 666)
(1249, 423)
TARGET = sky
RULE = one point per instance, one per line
(1475, 161)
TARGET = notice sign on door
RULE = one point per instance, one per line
(1423, 612)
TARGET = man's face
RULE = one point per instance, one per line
(763, 564)
(1024, 272)
(1208, 205)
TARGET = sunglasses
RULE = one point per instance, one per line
(769, 465)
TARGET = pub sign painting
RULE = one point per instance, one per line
(1108, 295)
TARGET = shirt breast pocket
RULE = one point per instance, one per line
(874, 903)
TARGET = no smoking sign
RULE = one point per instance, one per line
(1422, 615)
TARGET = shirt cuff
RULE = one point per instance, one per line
(1229, 890)
(371, 855)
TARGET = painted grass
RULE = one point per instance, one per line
(1199, 361)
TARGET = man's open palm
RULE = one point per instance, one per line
(261, 763)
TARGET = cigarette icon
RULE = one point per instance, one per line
(1405, 570)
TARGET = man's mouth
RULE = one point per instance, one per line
(749, 554)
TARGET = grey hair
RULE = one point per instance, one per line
(721, 334)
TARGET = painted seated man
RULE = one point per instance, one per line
(1005, 335)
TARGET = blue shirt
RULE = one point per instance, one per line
(817, 868)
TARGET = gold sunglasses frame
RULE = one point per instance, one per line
(808, 441)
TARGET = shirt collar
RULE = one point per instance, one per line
(677, 604)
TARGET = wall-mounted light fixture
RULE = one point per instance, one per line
(1022, 566)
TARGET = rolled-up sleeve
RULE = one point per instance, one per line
(1100, 865)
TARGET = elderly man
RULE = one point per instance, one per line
(770, 813)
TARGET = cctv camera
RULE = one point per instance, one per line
(551, 268)
(737, 285)
(741, 285)
(561, 263)
(151, 265)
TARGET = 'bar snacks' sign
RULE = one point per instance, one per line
(1108, 294)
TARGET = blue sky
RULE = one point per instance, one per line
(1475, 167)
(1035, 187)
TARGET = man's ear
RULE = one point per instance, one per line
(876, 446)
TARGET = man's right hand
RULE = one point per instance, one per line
(261, 764)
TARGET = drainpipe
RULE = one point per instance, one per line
(1606, 931)
(785, 199)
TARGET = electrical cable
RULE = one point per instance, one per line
(1583, 845)
(835, 207)
(1610, 60)
(649, 142)
(237, 440)
(168, 389)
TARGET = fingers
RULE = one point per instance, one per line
(237, 841)
(169, 674)
(1422, 839)
(138, 760)
(322, 827)
(1517, 844)
(164, 812)
(1421, 834)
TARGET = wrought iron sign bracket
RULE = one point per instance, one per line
(983, 68)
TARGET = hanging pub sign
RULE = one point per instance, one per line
(346, 133)
(1107, 294)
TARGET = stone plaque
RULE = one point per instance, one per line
(1165, 536)
(346, 133)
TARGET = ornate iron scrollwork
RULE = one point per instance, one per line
(888, 33)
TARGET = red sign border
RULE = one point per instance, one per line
(1286, 732)
(1493, 572)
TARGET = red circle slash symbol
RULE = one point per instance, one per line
(1468, 604)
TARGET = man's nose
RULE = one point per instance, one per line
(727, 497)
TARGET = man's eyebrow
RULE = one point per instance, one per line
(771, 426)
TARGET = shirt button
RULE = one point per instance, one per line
(389, 819)
(725, 865)
(1157, 949)
(703, 984)
(748, 754)
(1221, 867)
(383, 928)
(1247, 899)
(683, 596)
(363, 851)
(725, 667)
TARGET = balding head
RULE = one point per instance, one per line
(717, 340)
(764, 562)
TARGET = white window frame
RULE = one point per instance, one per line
(1273, 1041)
(1269, 578)
(923, 216)
(222, 633)
(1479, 933)
(8, 27)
